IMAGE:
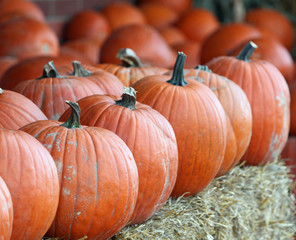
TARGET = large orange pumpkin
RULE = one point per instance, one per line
(147, 43)
(293, 109)
(131, 69)
(269, 96)
(6, 212)
(238, 113)
(32, 179)
(150, 138)
(16, 110)
(50, 91)
(26, 37)
(198, 120)
(98, 178)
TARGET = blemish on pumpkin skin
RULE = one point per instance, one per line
(66, 192)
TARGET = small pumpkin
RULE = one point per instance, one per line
(269, 96)
(6, 212)
(97, 174)
(131, 69)
(176, 5)
(150, 138)
(32, 179)
(198, 120)
(172, 35)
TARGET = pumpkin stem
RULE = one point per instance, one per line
(178, 74)
(128, 58)
(79, 71)
(74, 119)
(203, 68)
(1, 90)
(247, 51)
(128, 98)
(50, 71)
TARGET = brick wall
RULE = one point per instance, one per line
(58, 12)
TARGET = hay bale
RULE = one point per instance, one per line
(247, 203)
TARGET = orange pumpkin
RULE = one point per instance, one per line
(226, 38)
(16, 110)
(198, 120)
(87, 24)
(176, 5)
(6, 212)
(120, 14)
(26, 37)
(32, 179)
(274, 52)
(172, 35)
(50, 91)
(98, 178)
(131, 69)
(275, 22)
(106, 81)
(147, 43)
(198, 23)
(150, 138)
(238, 113)
(5, 63)
(269, 96)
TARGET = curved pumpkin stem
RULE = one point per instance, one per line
(128, 58)
(203, 68)
(50, 71)
(74, 119)
(247, 51)
(1, 90)
(128, 98)
(79, 71)
(178, 78)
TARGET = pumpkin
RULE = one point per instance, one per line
(6, 212)
(226, 38)
(5, 63)
(120, 14)
(158, 15)
(150, 138)
(131, 69)
(50, 91)
(32, 68)
(198, 120)
(274, 52)
(238, 113)
(97, 174)
(21, 8)
(176, 5)
(16, 110)
(32, 179)
(87, 24)
(109, 83)
(269, 96)
(198, 23)
(172, 35)
(147, 43)
(88, 47)
(275, 22)
(26, 37)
